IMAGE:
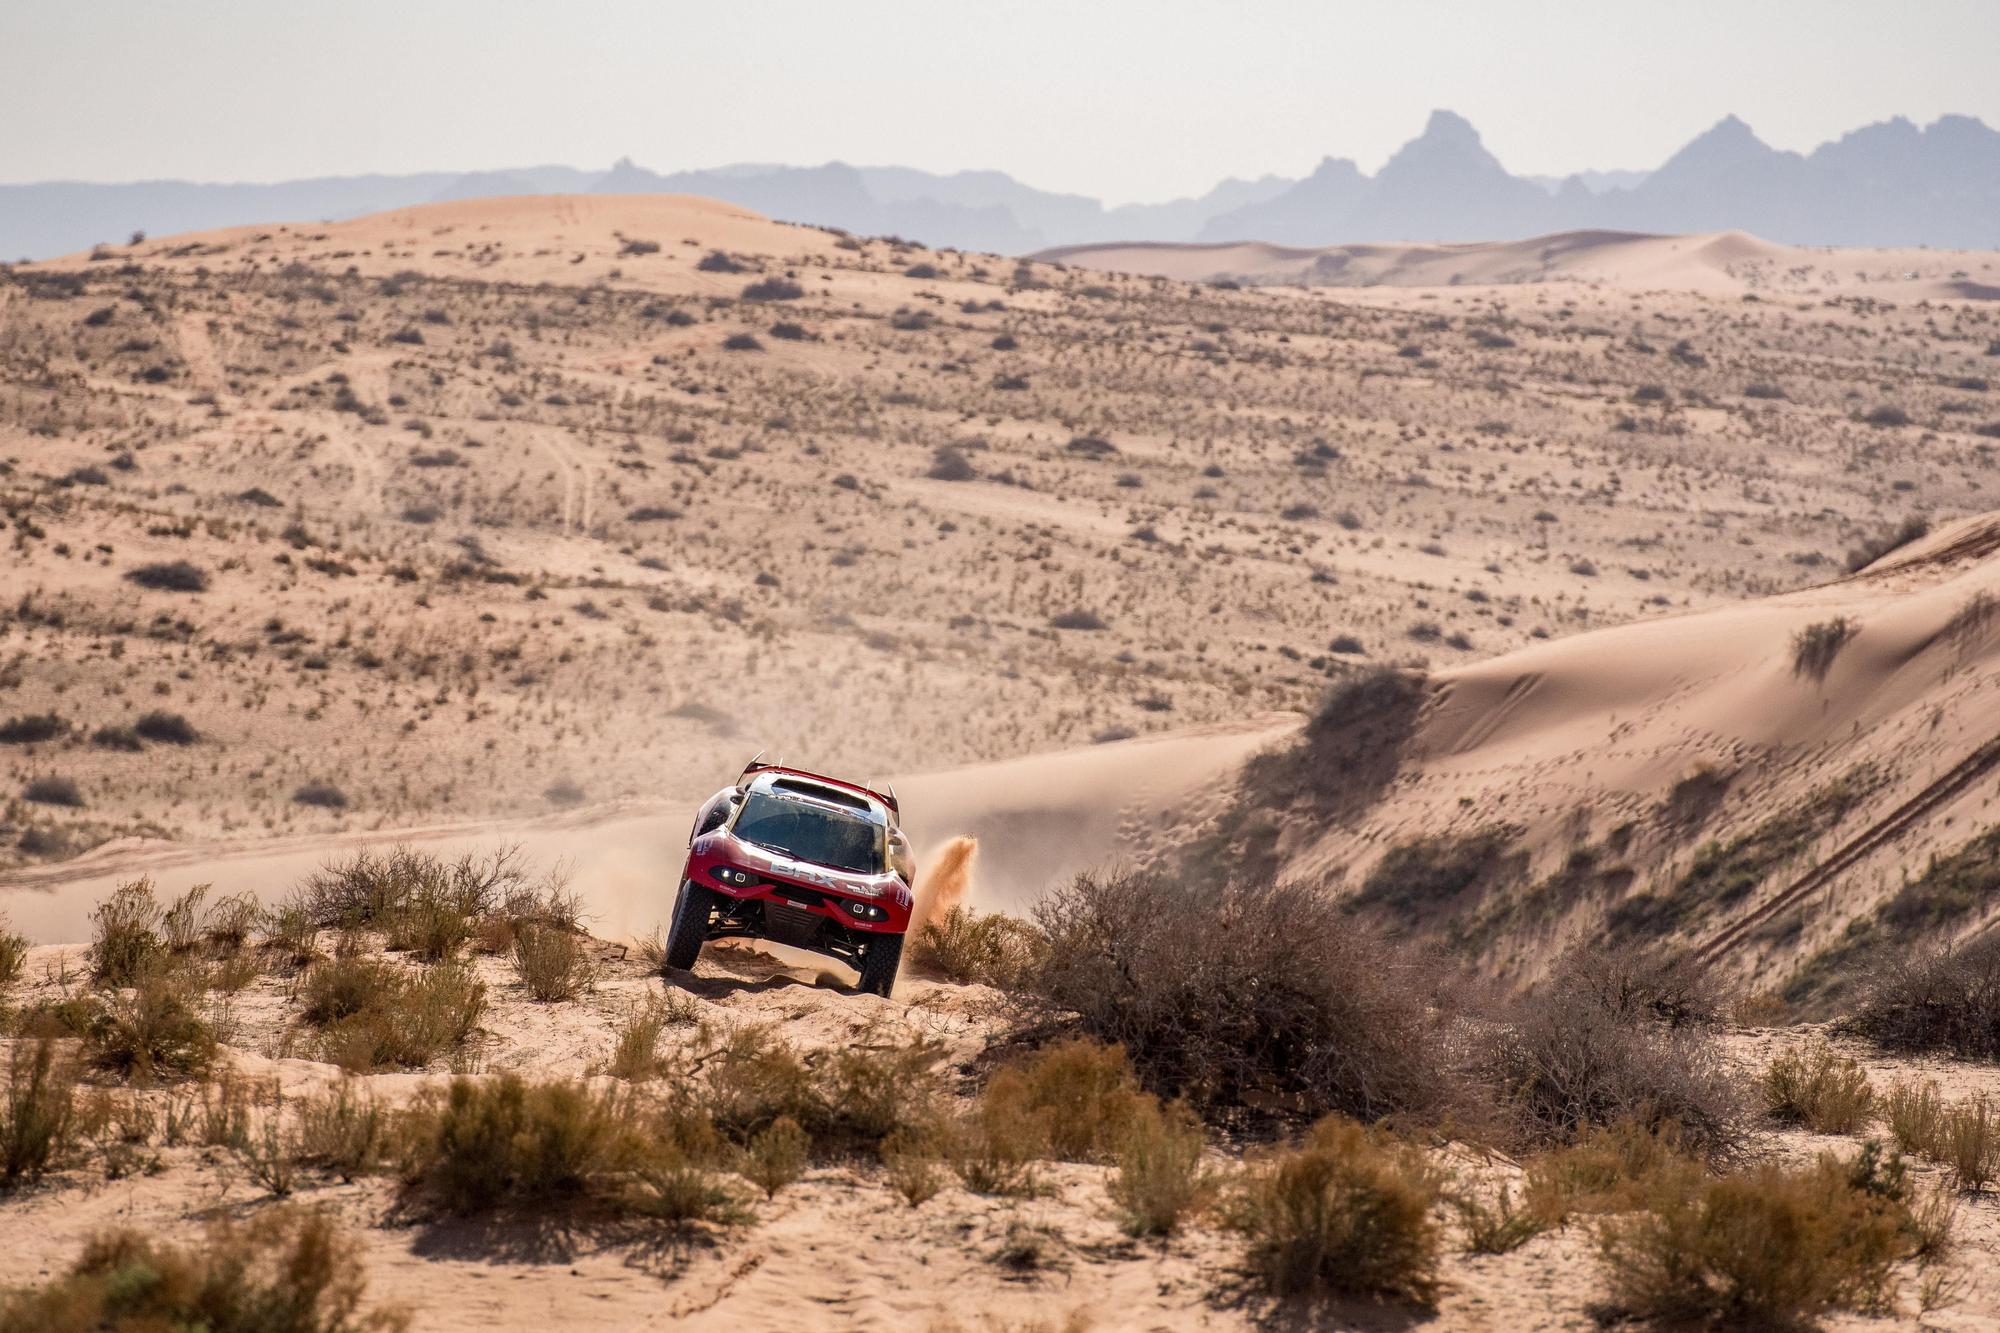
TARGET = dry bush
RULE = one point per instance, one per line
(993, 1146)
(1936, 998)
(39, 1116)
(344, 1130)
(291, 1272)
(911, 1165)
(775, 1156)
(1968, 1141)
(373, 1014)
(152, 1030)
(1591, 1049)
(1354, 742)
(1871, 549)
(967, 947)
(1084, 1092)
(1769, 1248)
(1915, 1115)
(1223, 993)
(553, 963)
(1160, 1179)
(125, 942)
(181, 922)
(170, 576)
(13, 954)
(635, 1048)
(1815, 647)
(848, 1101)
(502, 1142)
(1499, 1227)
(1349, 1211)
(1825, 1092)
(480, 1144)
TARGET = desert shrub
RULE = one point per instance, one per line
(343, 1129)
(949, 463)
(1968, 1141)
(1825, 1092)
(1078, 619)
(1815, 647)
(180, 924)
(54, 790)
(409, 1022)
(1160, 1179)
(1769, 1248)
(1084, 1092)
(1349, 1211)
(290, 1272)
(13, 954)
(1936, 998)
(993, 1145)
(170, 576)
(742, 342)
(152, 1030)
(553, 963)
(1415, 878)
(1306, 1002)
(963, 946)
(786, 331)
(124, 934)
(479, 1145)
(1914, 1113)
(323, 795)
(166, 728)
(633, 247)
(32, 729)
(773, 289)
(1882, 543)
(775, 1156)
(1605, 1170)
(117, 738)
(1887, 415)
(1499, 1227)
(39, 1113)
(635, 1045)
(1354, 741)
(911, 1166)
(718, 261)
(344, 986)
(1602, 1042)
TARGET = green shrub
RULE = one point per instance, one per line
(635, 1050)
(374, 1014)
(1349, 1212)
(481, 1144)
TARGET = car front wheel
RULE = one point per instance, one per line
(689, 929)
(879, 964)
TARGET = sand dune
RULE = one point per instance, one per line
(1726, 263)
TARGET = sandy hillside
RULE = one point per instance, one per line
(1723, 264)
(487, 521)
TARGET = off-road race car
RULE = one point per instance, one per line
(798, 859)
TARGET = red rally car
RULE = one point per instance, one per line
(800, 859)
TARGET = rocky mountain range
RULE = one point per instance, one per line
(1890, 183)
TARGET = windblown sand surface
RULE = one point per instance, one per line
(1724, 264)
(501, 541)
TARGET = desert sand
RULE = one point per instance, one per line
(530, 520)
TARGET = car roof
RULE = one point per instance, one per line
(797, 784)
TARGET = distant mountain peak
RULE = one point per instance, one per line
(1449, 126)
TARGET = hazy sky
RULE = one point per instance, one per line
(1123, 99)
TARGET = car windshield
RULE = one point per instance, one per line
(811, 833)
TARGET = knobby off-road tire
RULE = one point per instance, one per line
(878, 969)
(689, 929)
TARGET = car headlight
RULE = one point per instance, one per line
(742, 879)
